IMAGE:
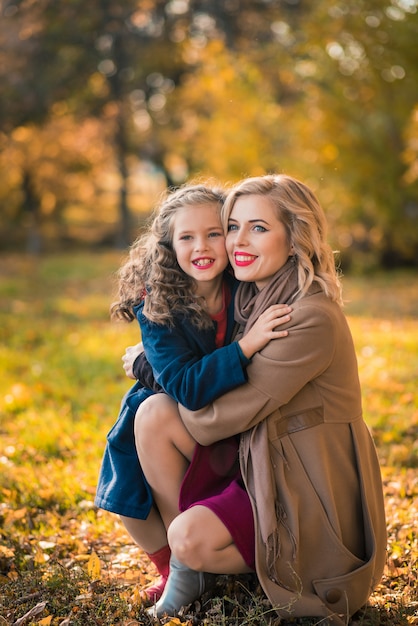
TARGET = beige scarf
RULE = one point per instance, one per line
(282, 289)
(255, 454)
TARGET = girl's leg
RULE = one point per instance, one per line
(150, 534)
(200, 540)
(165, 449)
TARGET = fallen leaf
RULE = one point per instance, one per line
(94, 567)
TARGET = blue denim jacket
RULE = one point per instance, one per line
(191, 370)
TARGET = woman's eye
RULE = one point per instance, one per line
(232, 227)
(260, 229)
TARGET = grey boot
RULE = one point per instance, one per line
(183, 587)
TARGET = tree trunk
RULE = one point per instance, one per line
(30, 206)
(123, 233)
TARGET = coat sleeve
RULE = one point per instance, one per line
(142, 371)
(188, 369)
(275, 375)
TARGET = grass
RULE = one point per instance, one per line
(64, 562)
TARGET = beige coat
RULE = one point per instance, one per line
(308, 462)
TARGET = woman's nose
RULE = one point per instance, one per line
(240, 237)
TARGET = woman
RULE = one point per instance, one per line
(307, 459)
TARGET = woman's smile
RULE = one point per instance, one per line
(242, 259)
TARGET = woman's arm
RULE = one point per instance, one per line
(275, 376)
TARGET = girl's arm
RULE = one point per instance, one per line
(187, 366)
(130, 358)
(144, 374)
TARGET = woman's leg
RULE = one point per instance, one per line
(200, 544)
(165, 449)
(200, 540)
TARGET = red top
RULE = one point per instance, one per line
(221, 318)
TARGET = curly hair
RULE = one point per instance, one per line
(301, 214)
(151, 271)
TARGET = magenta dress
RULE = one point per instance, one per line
(213, 479)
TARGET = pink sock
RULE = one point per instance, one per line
(161, 560)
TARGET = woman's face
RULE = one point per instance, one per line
(256, 242)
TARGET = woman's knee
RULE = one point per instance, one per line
(184, 541)
(195, 535)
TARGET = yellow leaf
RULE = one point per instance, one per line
(94, 568)
(6, 552)
(82, 557)
(39, 556)
(137, 596)
(45, 621)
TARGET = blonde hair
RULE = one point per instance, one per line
(298, 209)
(151, 271)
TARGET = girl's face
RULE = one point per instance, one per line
(199, 241)
(257, 241)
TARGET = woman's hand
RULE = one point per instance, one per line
(264, 329)
(129, 357)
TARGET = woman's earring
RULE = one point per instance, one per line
(293, 254)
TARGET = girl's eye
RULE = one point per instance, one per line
(185, 237)
(215, 234)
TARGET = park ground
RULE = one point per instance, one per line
(64, 562)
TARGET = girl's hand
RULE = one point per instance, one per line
(129, 357)
(265, 329)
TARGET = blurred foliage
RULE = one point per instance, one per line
(100, 110)
(62, 561)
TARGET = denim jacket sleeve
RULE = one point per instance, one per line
(187, 365)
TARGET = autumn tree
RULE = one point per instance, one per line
(361, 82)
(324, 92)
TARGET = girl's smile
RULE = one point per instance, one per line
(203, 263)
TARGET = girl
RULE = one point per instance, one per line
(176, 283)
(306, 456)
